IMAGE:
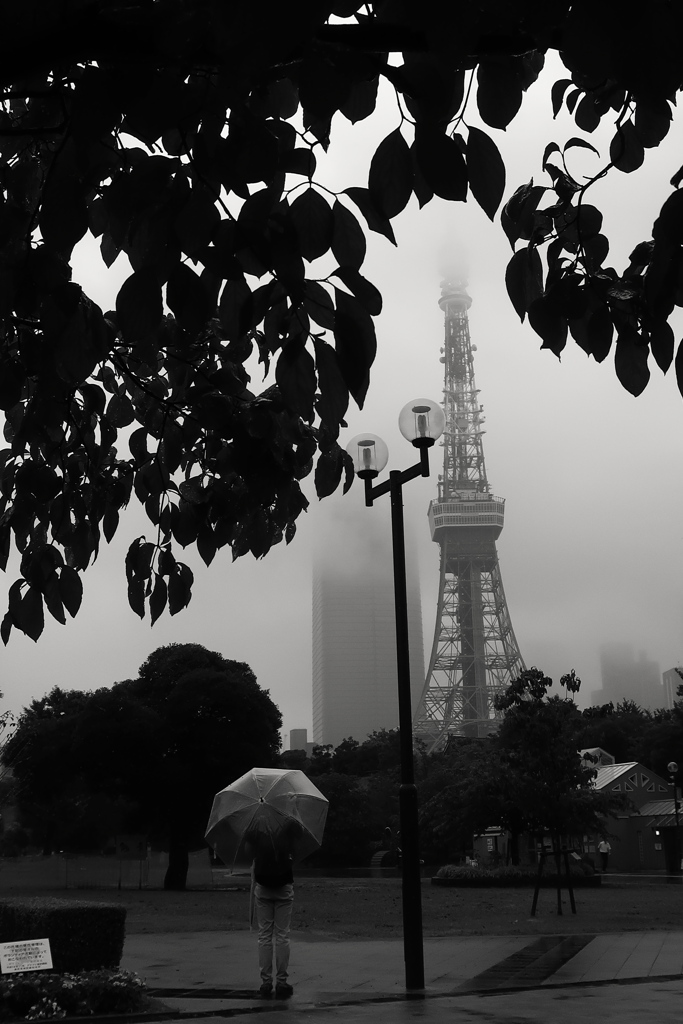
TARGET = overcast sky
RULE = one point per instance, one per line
(593, 540)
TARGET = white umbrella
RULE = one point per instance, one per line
(281, 803)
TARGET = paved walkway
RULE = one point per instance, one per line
(214, 975)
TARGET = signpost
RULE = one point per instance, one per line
(28, 955)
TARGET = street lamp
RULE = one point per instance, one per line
(672, 769)
(421, 422)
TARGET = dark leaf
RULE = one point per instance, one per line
(328, 471)
(587, 115)
(572, 100)
(318, 304)
(6, 628)
(312, 219)
(139, 307)
(662, 344)
(441, 162)
(179, 588)
(548, 320)
(677, 178)
(197, 221)
(517, 216)
(390, 180)
(188, 299)
(485, 171)
(158, 598)
(662, 278)
(295, 376)
(348, 239)
(361, 100)
(595, 252)
(120, 411)
(31, 616)
(588, 222)
(53, 600)
(630, 360)
(110, 523)
(184, 523)
(235, 309)
(299, 161)
(599, 333)
(334, 394)
(679, 367)
(136, 596)
(70, 589)
(499, 90)
(11, 384)
(206, 544)
(626, 150)
(652, 121)
(363, 289)
(376, 220)
(557, 93)
(669, 224)
(63, 213)
(524, 279)
(355, 344)
(551, 148)
(580, 143)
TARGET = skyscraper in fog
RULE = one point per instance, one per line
(354, 634)
(625, 677)
(671, 680)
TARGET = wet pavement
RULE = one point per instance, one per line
(631, 976)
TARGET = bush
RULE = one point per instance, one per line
(83, 936)
(455, 874)
(40, 995)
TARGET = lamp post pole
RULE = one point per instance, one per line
(672, 769)
(364, 450)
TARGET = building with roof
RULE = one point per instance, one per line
(643, 835)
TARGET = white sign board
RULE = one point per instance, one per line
(29, 955)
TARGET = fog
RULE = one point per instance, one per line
(593, 539)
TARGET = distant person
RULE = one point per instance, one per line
(273, 896)
(604, 849)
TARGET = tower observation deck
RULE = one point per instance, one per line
(475, 654)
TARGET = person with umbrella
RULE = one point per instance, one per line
(271, 817)
(273, 898)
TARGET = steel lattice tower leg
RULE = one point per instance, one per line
(475, 654)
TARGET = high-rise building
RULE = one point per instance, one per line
(475, 655)
(625, 677)
(354, 633)
(671, 680)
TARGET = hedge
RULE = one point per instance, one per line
(453, 874)
(83, 936)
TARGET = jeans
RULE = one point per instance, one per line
(273, 914)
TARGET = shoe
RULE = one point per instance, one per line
(266, 990)
(283, 990)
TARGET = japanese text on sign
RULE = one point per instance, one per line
(29, 955)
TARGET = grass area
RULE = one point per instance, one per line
(371, 908)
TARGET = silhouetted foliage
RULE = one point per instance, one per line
(185, 134)
(146, 755)
(526, 778)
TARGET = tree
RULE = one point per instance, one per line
(549, 786)
(361, 782)
(141, 757)
(185, 135)
(617, 729)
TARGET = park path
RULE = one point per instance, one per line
(214, 975)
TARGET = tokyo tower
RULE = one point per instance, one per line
(475, 654)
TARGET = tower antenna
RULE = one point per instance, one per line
(475, 653)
